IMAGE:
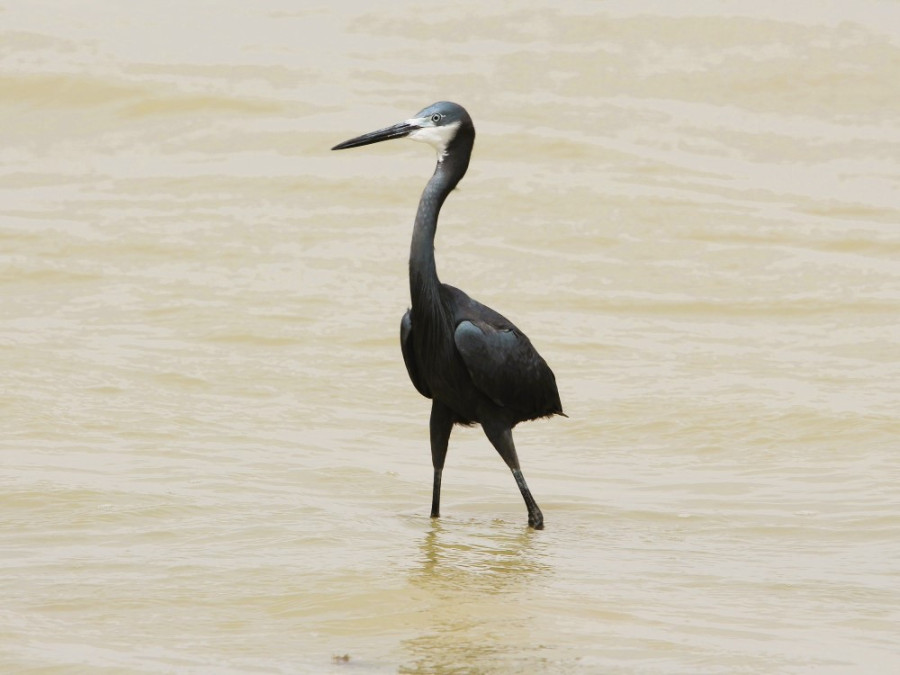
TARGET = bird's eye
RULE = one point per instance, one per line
(436, 118)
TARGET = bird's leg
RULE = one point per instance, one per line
(501, 438)
(535, 517)
(441, 425)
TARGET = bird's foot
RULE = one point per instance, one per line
(536, 521)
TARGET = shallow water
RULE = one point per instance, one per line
(212, 459)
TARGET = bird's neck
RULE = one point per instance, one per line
(424, 285)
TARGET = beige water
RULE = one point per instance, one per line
(211, 458)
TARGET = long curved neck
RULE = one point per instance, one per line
(424, 285)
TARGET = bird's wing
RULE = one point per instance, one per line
(409, 357)
(503, 364)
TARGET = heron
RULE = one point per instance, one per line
(473, 363)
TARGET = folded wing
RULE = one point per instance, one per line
(506, 367)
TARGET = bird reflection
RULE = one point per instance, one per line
(475, 585)
(483, 561)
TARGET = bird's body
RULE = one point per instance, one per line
(474, 364)
(477, 362)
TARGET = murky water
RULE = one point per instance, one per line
(212, 459)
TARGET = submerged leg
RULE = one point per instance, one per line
(501, 438)
(441, 425)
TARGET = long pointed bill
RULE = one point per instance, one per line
(398, 130)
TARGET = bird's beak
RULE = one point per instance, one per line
(399, 130)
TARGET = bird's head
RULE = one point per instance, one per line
(439, 125)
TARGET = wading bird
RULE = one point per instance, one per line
(474, 364)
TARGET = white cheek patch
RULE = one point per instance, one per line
(437, 137)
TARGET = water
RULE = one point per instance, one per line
(212, 459)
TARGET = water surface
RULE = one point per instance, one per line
(212, 459)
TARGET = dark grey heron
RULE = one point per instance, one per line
(473, 363)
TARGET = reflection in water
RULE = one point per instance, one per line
(477, 582)
(486, 562)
